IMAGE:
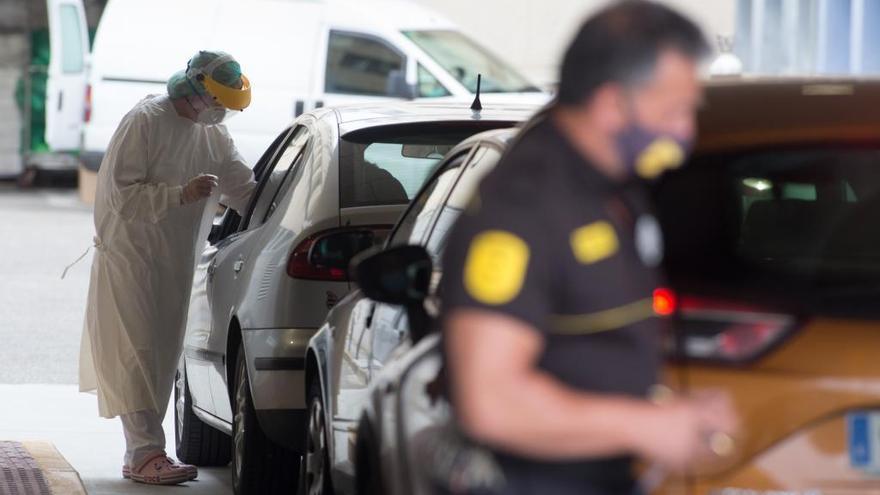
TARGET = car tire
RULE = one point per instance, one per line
(259, 465)
(315, 467)
(368, 467)
(196, 442)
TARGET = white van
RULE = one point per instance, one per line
(62, 105)
(298, 54)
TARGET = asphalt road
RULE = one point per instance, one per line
(41, 316)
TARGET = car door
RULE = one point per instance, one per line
(252, 257)
(355, 341)
(389, 324)
(413, 409)
(66, 84)
(205, 341)
(235, 266)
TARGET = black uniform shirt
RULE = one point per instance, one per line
(553, 242)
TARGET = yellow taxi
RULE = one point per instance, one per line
(773, 256)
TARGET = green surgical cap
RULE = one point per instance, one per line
(228, 74)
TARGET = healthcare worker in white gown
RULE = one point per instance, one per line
(168, 155)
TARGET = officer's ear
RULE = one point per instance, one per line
(609, 107)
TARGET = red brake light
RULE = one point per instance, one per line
(298, 266)
(304, 264)
(87, 114)
(665, 302)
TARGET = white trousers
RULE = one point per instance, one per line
(143, 436)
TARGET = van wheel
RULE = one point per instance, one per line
(259, 466)
(315, 468)
(197, 442)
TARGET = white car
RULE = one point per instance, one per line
(331, 185)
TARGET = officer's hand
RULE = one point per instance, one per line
(198, 188)
(680, 432)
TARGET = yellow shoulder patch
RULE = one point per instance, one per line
(496, 267)
(594, 242)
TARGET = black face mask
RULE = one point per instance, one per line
(647, 154)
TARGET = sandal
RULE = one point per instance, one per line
(159, 469)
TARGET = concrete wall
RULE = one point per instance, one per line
(532, 34)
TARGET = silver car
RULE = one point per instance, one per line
(355, 361)
(330, 186)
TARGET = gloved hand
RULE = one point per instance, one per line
(198, 188)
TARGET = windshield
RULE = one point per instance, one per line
(464, 60)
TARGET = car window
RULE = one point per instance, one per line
(71, 40)
(276, 177)
(389, 166)
(481, 163)
(231, 220)
(429, 86)
(797, 224)
(416, 221)
(361, 65)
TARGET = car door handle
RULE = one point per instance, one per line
(390, 388)
(60, 100)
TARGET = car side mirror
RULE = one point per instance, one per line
(397, 85)
(398, 275)
(335, 250)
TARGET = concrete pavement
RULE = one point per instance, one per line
(93, 446)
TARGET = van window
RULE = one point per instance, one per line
(464, 60)
(71, 40)
(797, 227)
(361, 65)
(429, 86)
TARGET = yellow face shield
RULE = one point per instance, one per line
(231, 98)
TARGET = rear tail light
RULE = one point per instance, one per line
(665, 302)
(87, 113)
(726, 333)
(308, 264)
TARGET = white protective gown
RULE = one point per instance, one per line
(145, 249)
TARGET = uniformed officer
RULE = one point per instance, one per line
(550, 336)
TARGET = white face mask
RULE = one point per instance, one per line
(212, 116)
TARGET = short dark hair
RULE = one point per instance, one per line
(621, 44)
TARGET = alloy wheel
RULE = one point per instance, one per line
(239, 423)
(316, 451)
(179, 404)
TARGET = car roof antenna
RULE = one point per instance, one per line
(477, 105)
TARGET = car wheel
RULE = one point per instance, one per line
(197, 442)
(259, 465)
(315, 475)
(368, 470)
